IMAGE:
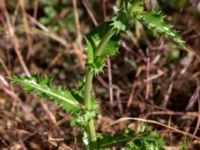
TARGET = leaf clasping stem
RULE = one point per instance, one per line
(88, 83)
(104, 41)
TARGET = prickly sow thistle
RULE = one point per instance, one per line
(102, 42)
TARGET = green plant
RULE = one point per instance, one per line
(183, 145)
(101, 43)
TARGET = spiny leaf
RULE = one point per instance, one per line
(96, 36)
(42, 87)
(111, 47)
(134, 8)
(93, 41)
(128, 13)
(144, 139)
(90, 51)
(120, 21)
(80, 87)
(155, 22)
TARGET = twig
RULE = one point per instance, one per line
(120, 107)
(104, 9)
(35, 11)
(13, 37)
(78, 52)
(16, 12)
(134, 86)
(50, 115)
(167, 112)
(78, 28)
(51, 35)
(88, 9)
(147, 93)
(7, 71)
(78, 48)
(22, 145)
(167, 95)
(27, 29)
(198, 119)
(108, 61)
(40, 25)
(194, 98)
(106, 85)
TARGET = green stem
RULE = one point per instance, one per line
(88, 85)
(87, 103)
(104, 41)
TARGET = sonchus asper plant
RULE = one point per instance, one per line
(103, 42)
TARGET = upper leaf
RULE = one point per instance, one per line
(134, 8)
(155, 22)
(42, 87)
(97, 35)
(95, 40)
(103, 41)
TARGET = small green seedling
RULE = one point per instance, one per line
(101, 43)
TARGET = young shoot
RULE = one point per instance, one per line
(102, 42)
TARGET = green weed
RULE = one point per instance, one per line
(101, 43)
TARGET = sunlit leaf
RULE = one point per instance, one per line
(155, 22)
(93, 40)
(43, 88)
